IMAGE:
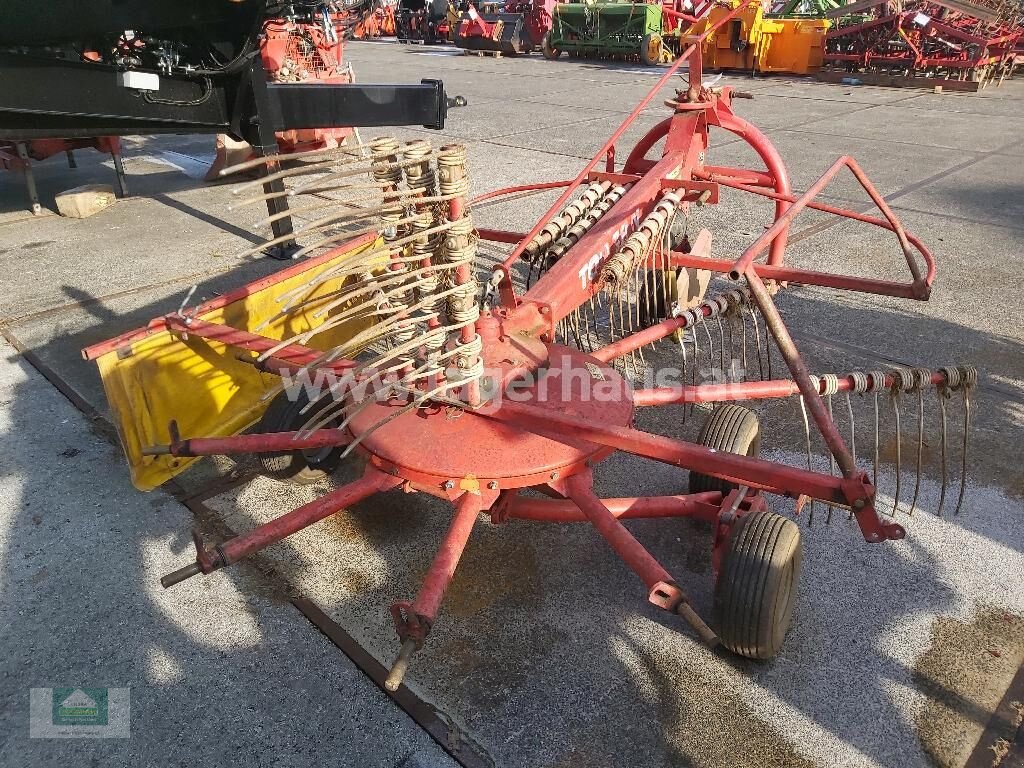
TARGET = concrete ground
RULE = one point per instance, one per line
(230, 675)
(545, 654)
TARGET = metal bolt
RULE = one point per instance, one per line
(859, 504)
(554, 475)
(493, 485)
(448, 485)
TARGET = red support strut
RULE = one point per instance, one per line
(662, 589)
(261, 537)
(413, 621)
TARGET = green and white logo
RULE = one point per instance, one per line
(83, 713)
(80, 706)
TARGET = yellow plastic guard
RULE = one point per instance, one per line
(152, 375)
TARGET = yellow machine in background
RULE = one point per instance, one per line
(758, 43)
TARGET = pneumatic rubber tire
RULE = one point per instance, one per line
(550, 52)
(296, 467)
(731, 429)
(650, 50)
(756, 591)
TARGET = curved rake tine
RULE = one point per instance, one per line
(682, 349)
(711, 353)
(921, 377)
(902, 380)
(721, 344)
(743, 336)
(696, 361)
(831, 382)
(807, 439)
(896, 415)
(757, 340)
(970, 377)
(942, 394)
(876, 380)
(853, 428)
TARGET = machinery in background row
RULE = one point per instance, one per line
(71, 71)
(956, 44)
(511, 28)
(304, 46)
(427, 22)
(656, 33)
(18, 156)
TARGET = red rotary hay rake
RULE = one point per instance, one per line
(475, 393)
(944, 42)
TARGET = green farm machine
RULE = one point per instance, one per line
(650, 32)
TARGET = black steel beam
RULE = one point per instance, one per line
(361, 106)
(56, 98)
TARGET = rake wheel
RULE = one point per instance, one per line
(651, 50)
(295, 467)
(550, 52)
(730, 428)
(756, 590)
(469, 391)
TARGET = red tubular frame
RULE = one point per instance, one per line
(571, 281)
(373, 481)
(507, 293)
(741, 390)
(662, 590)
(854, 492)
(259, 443)
(702, 506)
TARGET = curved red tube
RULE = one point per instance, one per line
(776, 167)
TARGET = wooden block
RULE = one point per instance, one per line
(80, 202)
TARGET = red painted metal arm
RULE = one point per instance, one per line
(806, 276)
(743, 390)
(503, 191)
(603, 151)
(661, 587)
(857, 493)
(373, 481)
(755, 473)
(921, 282)
(257, 443)
(252, 342)
(704, 506)
(499, 235)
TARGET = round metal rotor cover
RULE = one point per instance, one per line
(443, 443)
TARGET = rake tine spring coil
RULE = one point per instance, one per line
(581, 227)
(569, 216)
